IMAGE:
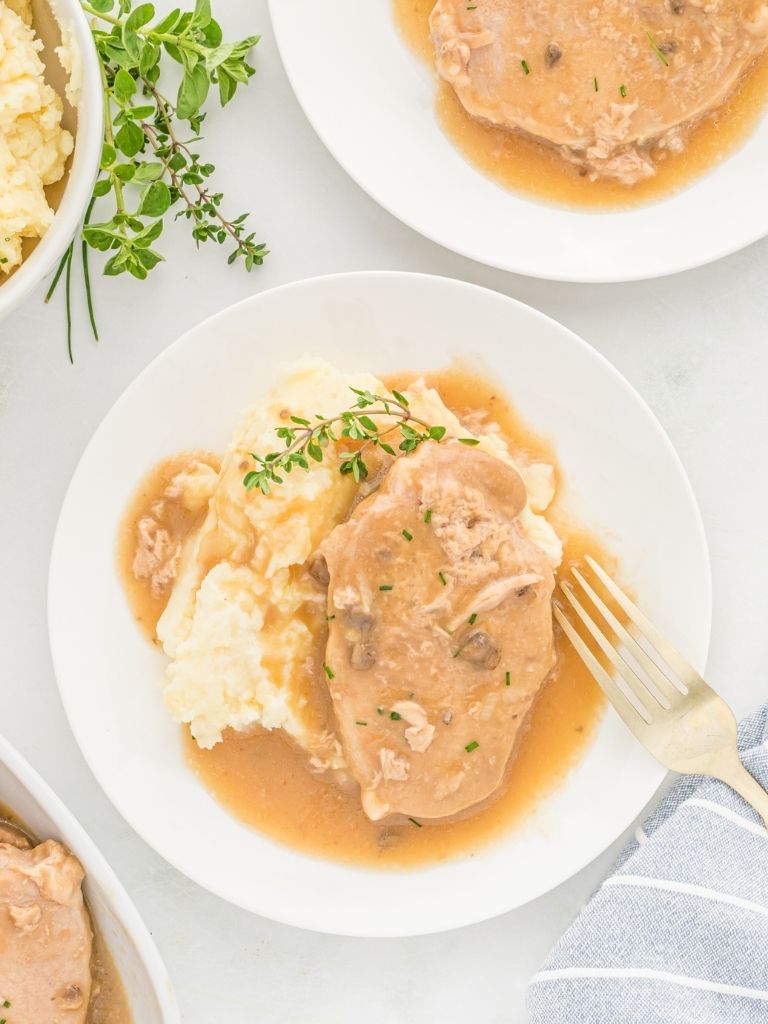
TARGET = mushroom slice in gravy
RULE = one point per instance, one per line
(45, 933)
(429, 708)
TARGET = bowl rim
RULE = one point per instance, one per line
(98, 873)
(88, 134)
(301, 920)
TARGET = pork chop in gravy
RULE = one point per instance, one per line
(440, 631)
(45, 934)
(604, 82)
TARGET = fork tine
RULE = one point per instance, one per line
(657, 682)
(686, 673)
(607, 683)
(634, 683)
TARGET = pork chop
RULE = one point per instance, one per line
(45, 935)
(440, 631)
(602, 81)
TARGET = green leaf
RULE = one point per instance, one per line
(148, 172)
(124, 86)
(218, 55)
(400, 398)
(102, 6)
(212, 33)
(192, 92)
(150, 56)
(124, 172)
(140, 16)
(108, 156)
(102, 187)
(436, 433)
(130, 139)
(168, 23)
(202, 13)
(155, 200)
(471, 441)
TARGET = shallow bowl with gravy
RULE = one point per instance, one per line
(82, 944)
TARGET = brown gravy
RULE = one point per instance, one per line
(263, 780)
(522, 163)
(109, 1002)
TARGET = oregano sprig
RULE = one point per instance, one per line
(149, 163)
(306, 441)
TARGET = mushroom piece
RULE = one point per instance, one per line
(362, 656)
(552, 54)
(478, 649)
(318, 570)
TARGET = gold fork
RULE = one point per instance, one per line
(675, 714)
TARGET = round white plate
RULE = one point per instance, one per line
(371, 101)
(622, 476)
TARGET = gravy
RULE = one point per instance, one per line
(109, 1002)
(263, 779)
(522, 163)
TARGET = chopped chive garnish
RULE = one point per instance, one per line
(414, 822)
(386, 586)
(456, 653)
(428, 516)
(361, 723)
(443, 580)
(623, 91)
(407, 535)
(329, 618)
(328, 671)
(657, 50)
(472, 7)
(508, 679)
(472, 618)
(395, 716)
(527, 71)
(471, 746)
(472, 441)
(379, 711)
(596, 84)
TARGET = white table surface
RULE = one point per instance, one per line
(695, 346)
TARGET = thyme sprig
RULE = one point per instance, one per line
(149, 162)
(306, 441)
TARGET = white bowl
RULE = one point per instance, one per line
(372, 103)
(88, 129)
(620, 474)
(33, 802)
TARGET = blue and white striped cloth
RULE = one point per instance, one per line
(679, 932)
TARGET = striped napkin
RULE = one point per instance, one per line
(679, 932)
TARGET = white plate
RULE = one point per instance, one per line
(621, 473)
(371, 101)
(146, 981)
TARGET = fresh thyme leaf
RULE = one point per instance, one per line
(407, 535)
(395, 716)
(623, 91)
(471, 441)
(150, 140)
(524, 66)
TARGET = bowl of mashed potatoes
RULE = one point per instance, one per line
(51, 126)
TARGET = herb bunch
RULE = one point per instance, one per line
(306, 442)
(149, 163)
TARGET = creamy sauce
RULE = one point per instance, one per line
(178, 521)
(109, 1002)
(263, 779)
(524, 164)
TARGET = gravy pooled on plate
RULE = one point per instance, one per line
(255, 628)
(573, 106)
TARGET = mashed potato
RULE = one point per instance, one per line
(243, 617)
(33, 145)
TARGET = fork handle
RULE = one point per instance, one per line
(735, 775)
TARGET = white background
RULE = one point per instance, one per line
(695, 346)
